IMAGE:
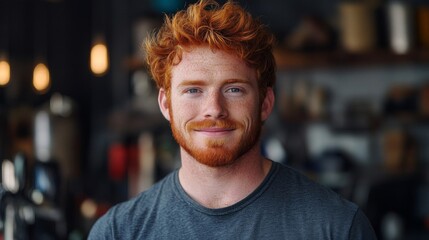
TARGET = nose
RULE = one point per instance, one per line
(215, 106)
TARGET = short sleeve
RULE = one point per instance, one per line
(102, 229)
(361, 228)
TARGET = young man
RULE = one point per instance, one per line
(215, 71)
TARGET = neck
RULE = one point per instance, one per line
(218, 187)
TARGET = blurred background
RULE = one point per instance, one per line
(80, 128)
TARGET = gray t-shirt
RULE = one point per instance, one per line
(287, 205)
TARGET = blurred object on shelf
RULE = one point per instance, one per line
(357, 26)
(274, 149)
(21, 216)
(55, 154)
(304, 102)
(392, 227)
(20, 122)
(62, 105)
(146, 164)
(300, 96)
(401, 26)
(318, 103)
(399, 152)
(323, 137)
(424, 102)
(21, 172)
(167, 151)
(145, 93)
(47, 182)
(56, 164)
(401, 102)
(394, 190)
(358, 115)
(312, 33)
(43, 143)
(9, 181)
(336, 169)
(291, 106)
(423, 25)
(117, 161)
(56, 134)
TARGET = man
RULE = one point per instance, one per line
(215, 71)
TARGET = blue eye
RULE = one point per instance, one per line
(234, 90)
(192, 90)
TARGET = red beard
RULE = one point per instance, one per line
(218, 152)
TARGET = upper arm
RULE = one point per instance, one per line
(361, 228)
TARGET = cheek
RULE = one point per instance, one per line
(246, 109)
(248, 116)
(182, 112)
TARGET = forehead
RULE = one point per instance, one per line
(203, 63)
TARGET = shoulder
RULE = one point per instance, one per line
(309, 193)
(300, 187)
(136, 210)
(310, 205)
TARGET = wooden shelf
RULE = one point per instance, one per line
(290, 60)
(134, 63)
(294, 60)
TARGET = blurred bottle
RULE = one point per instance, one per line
(357, 26)
(401, 26)
(392, 227)
(423, 26)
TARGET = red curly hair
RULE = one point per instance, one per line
(228, 28)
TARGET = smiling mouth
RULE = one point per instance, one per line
(213, 127)
(215, 131)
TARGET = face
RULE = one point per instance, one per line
(213, 106)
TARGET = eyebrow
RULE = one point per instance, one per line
(237, 81)
(192, 83)
(203, 83)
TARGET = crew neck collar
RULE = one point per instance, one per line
(230, 209)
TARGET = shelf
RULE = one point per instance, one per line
(134, 63)
(290, 60)
(295, 60)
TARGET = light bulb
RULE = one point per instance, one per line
(99, 59)
(41, 78)
(4, 72)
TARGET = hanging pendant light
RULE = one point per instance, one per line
(99, 57)
(4, 33)
(41, 74)
(4, 71)
(41, 78)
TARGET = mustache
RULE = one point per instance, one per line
(207, 123)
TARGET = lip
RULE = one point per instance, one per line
(215, 131)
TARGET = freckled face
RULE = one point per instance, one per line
(214, 108)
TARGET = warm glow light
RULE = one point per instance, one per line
(41, 79)
(88, 208)
(4, 73)
(99, 59)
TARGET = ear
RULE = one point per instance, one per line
(163, 103)
(267, 104)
